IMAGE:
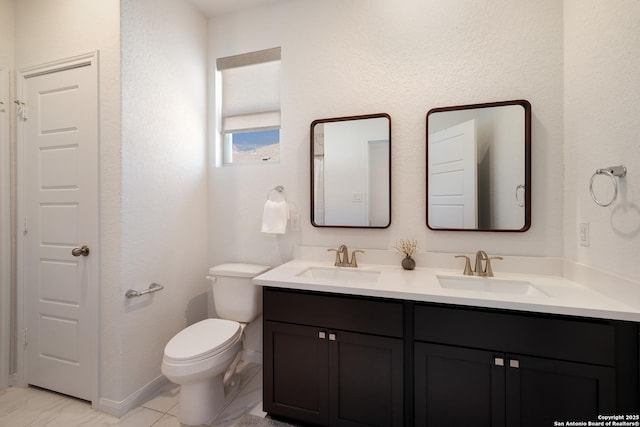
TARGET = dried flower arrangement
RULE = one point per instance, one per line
(406, 247)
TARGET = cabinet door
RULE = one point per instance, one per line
(541, 391)
(457, 386)
(296, 372)
(365, 380)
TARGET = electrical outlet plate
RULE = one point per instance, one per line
(294, 222)
(583, 233)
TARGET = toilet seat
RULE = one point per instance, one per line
(202, 340)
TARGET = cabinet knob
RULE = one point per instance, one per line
(322, 335)
(513, 363)
(498, 361)
(332, 337)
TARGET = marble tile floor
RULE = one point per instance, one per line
(33, 407)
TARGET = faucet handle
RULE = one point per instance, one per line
(337, 262)
(488, 269)
(354, 262)
(467, 265)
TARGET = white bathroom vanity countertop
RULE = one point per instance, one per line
(558, 295)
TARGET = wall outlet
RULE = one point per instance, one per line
(356, 197)
(583, 233)
(294, 222)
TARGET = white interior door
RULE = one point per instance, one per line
(60, 201)
(453, 189)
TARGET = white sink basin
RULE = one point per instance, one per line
(490, 285)
(341, 274)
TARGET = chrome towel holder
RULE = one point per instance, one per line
(154, 287)
(279, 191)
(612, 172)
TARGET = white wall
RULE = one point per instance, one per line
(164, 179)
(602, 128)
(506, 174)
(6, 32)
(342, 58)
(6, 65)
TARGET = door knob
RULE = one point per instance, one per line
(83, 250)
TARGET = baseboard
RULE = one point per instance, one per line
(135, 399)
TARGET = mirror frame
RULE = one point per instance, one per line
(311, 174)
(527, 161)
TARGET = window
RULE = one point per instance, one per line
(250, 107)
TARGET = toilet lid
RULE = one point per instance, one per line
(203, 339)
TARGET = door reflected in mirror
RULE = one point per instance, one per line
(479, 167)
(351, 171)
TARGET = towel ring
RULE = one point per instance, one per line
(612, 172)
(279, 190)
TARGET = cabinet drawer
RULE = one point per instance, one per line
(330, 311)
(580, 340)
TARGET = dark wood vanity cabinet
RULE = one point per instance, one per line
(494, 368)
(340, 360)
(461, 386)
(333, 360)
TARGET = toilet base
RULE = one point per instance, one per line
(201, 401)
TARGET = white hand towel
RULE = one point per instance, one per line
(274, 217)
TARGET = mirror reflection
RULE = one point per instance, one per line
(479, 167)
(351, 171)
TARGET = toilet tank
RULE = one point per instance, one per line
(235, 297)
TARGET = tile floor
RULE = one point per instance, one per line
(35, 407)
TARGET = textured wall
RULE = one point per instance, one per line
(602, 128)
(6, 301)
(164, 183)
(351, 57)
(6, 33)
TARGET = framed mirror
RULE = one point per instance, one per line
(479, 167)
(351, 171)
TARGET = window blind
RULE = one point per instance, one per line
(250, 90)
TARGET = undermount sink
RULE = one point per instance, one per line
(490, 285)
(341, 274)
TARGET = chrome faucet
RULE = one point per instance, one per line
(481, 256)
(342, 257)
(345, 255)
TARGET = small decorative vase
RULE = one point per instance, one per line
(408, 263)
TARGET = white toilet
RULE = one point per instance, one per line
(198, 356)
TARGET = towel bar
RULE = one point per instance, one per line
(154, 287)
